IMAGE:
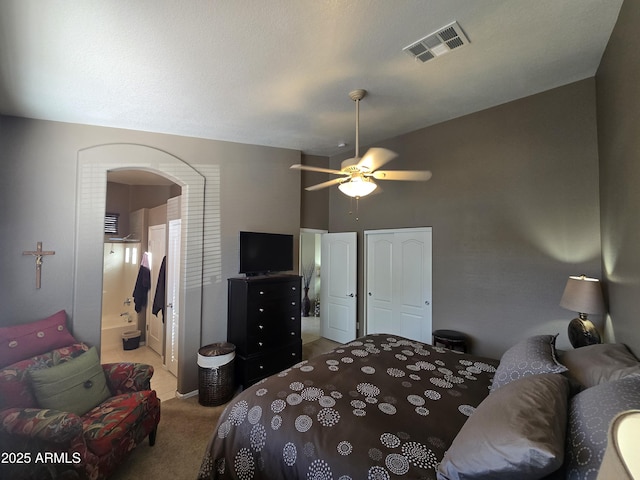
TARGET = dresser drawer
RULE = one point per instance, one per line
(258, 293)
(262, 366)
(270, 327)
(268, 340)
(273, 312)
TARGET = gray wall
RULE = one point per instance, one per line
(513, 203)
(618, 94)
(314, 211)
(38, 197)
(123, 199)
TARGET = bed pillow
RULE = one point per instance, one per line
(76, 386)
(516, 432)
(590, 413)
(20, 342)
(531, 356)
(596, 364)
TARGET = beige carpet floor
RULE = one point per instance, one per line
(183, 433)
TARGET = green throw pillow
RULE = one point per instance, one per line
(76, 386)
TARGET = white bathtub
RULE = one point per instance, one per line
(113, 326)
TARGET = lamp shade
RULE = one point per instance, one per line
(358, 187)
(583, 295)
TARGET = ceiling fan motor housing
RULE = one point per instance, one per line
(350, 165)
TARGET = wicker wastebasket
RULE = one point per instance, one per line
(216, 381)
(131, 339)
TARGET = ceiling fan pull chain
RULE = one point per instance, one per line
(351, 206)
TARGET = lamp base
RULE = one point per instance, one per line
(582, 333)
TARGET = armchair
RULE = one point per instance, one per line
(52, 443)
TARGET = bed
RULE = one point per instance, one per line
(385, 407)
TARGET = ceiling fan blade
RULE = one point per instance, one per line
(325, 184)
(316, 169)
(410, 175)
(375, 158)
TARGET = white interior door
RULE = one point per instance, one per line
(156, 246)
(398, 283)
(173, 296)
(338, 276)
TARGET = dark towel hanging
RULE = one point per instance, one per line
(141, 290)
(159, 298)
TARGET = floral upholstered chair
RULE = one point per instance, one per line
(62, 414)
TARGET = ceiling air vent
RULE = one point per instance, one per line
(437, 43)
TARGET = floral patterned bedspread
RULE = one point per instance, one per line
(379, 407)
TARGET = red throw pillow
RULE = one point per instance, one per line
(25, 341)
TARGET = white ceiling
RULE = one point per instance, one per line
(278, 72)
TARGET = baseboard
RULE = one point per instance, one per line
(182, 396)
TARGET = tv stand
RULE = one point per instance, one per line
(263, 323)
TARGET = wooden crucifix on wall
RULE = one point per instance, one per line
(39, 254)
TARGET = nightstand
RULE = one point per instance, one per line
(450, 339)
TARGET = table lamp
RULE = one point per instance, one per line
(583, 295)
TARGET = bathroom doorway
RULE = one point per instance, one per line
(309, 268)
(132, 328)
(93, 164)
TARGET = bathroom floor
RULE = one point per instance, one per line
(163, 381)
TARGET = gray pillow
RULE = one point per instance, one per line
(596, 364)
(590, 413)
(516, 432)
(531, 356)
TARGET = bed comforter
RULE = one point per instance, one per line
(376, 408)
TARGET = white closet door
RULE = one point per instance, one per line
(380, 307)
(398, 276)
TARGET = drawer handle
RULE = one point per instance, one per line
(260, 344)
(261, 367)
(293, 318)
(293, 303)
(261, 310)
(260, 327)
(293, 333)
(293, 354)
(261, 292)
(293, 288)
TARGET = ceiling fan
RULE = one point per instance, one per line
(357, 174)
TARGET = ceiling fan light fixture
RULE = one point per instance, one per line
(358, 187)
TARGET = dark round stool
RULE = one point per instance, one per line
(450, 339)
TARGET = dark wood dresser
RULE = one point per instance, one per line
(263, 323)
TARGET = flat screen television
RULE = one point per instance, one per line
(262, 253)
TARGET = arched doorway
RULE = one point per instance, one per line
(93, 164)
